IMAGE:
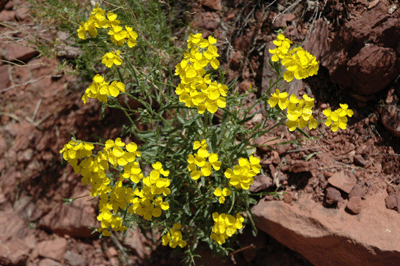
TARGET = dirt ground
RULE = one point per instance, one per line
(41, 106)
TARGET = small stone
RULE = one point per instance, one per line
(302, 166)
(261, 182)
(213, 4)
(359, 160)
(236, 59)
(53, 249)
(391, 202)
(6, 15)
(343, 180)
(275, 157)
(244, 85)
(357, 191)
(333, 196)
(354, 204)
(390, 118)
(74, 259)
(288, 197)
(20, 52)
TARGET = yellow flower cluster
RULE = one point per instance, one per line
(174, 237)
(111, 58)
(100, 89)
(198, 165)
(242, 175)
(145, 202)
(225, 225)
(118, 35)
(222, 193)
(196, 88)
(98, 19)
(299, 111)
(299, 63)
(337, 119)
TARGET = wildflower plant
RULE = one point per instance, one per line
(187, 175)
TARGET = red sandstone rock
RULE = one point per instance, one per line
(343, 180)
(236, 59)
(6, 15)
(213, 4)
(390, 118)
(355, 204)
(300, 166)
(208, 20)
(53, 249)
(364, 48)
(244, 85)
(391, 202)
(379, 64)
(137, 242)
(15, 238)
(4, 77)
(357, 191)
(20, 52)
(73, 219)
(261, 182)
(333, 196)
(332, 236)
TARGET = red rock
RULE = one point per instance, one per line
(22, 13)
(137, 242)
(343, 180)
(355, 204)
(300, 166)
(208, 20)
(4, 77)
(348, 57)
(213, 4)
(73, 219)
(53, 249)
(244, 85)
(379, 64)
(74, 259)
(9, 5)
(333, 196)
(236, 59)
(261, 182)
(359, 160)
(112, 252)
(25, 134)
(15, 238)
(6, 15)
(328, 236)
(391, 202)
(288, 197)
(275, 157)
(20, 52)
(357, 191)
(317, 42)
(390, 118)
(265, 141)
(49, 262)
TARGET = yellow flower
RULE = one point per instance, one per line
(222, 193)
(111, 58)
(280, 98)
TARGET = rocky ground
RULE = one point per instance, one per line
(342, 200)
